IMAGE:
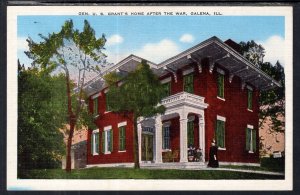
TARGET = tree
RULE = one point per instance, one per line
(272, 102)
(76, 54)
(141, 94)
(40, 115)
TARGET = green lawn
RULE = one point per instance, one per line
(130, 173)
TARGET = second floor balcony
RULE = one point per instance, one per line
(184, 99)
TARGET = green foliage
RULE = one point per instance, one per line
(112, 78)
(273, 164)
(139, 94)
(272, 102)
(41, 99)
(75, 53)
(67, 47)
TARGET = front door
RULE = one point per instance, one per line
(147, 147)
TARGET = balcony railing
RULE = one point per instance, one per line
(184, 98)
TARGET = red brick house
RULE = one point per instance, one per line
(211, 94)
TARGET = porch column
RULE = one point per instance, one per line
(139, 128)
(183, 138)
(202, 135)
(158, 139)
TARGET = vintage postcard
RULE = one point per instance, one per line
(149, 98)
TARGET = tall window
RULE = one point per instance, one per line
(250, 97)
(95, 143)
(220, 133)
(167, 89)
(220, 85)
(250, 139)
(188, 83)
(122, 138)
(190, 128)
(107, 141)
(108, 103)
(95, 106)
(166, 137)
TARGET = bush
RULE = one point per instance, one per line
(273, 164)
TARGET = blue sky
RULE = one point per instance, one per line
(157, 38)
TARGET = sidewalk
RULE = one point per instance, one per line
(202, 166)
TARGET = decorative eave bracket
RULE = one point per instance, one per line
(171, 71)
(230, 77)
(197, 61)
(243, 85)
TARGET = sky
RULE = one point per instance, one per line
(157, 38)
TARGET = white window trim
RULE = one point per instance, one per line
(221, 98)
(166, 80)
(251, 138)
(188, 71)
(106, 129)
(221, 118)
(106, 90)
(219, 148)
(219, 70)
(122, 151)
(124, 123)
(249, 87)
(96, 95)
(120, 83)
(93, 137)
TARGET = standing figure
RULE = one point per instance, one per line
(198, 155)
(213, 156)
(191, 152)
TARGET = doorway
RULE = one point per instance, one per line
(147, 147)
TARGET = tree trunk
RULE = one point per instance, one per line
(72, 123)
(69, 145)
(136, 145)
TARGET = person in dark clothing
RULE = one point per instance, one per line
(213, 156)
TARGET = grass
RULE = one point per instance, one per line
(130, 173)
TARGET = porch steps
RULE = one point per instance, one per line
(174, 165)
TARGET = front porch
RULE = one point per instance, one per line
(164, 140)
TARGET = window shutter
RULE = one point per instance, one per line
(254, 140)
(163, 136)
(92, 143)
(219, 136)
(97, 143)
(247, 139)
(120, 139)
(250, 96)
(124, 137)
(111, 140)
(103, 142)
(222, 132)
(221, 85)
